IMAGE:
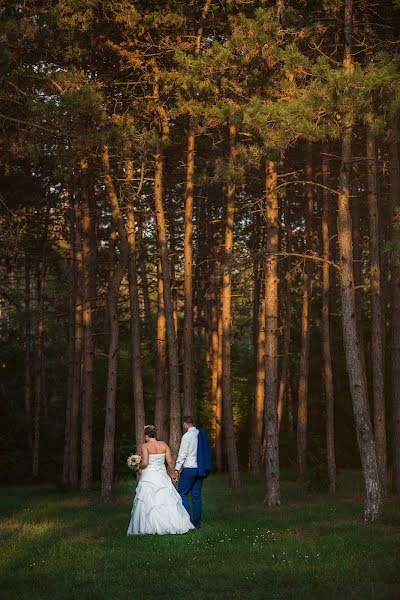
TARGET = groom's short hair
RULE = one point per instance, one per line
(187, 419)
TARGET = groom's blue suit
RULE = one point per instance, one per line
(191, 479)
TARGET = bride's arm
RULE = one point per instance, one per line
(145, 458)
(170, 462)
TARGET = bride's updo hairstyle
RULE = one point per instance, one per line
(150, 431)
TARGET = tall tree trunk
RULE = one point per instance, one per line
(135, 314)
(373, 506)
(258, 408)
(161, 409)
(219, 407)
(78, 340)
(358, 273)
(28, 354)
(394, 167)
(39, 371)
(326, 334)
(71, 351)
(39, 366)
(290, 413)
(226, 305)
(302, 409)
(273, 494)
(189, 407)
(216, 361)
(88, 345)
(188, 384)
(280, 8)
(283, 384)
(107, 465)
(142, 258)
(377, 333)
(175, 405)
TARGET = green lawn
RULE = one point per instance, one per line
(55, 545)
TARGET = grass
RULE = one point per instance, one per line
(55, 545)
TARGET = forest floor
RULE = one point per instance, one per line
(56, 545)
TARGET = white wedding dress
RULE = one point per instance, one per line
(157, 506)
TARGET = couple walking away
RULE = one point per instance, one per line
(157, 507)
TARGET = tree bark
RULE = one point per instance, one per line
(302, 409)
(216, 369)
(258, 408)
(377, 332)
(373, 504)
(71, 352)
(78, 341)
(189, 405)
(226, 306)
(394, 169)
(273, 494)
(175, 406)
(188, 383)
(28, 355)
(39, 366)
(283, 384)
(38, 371)
(358, 274)
(88, 345)
(161, 409)
(280, 8)
(326, 335)
(107, 466)
(142, 259)
(137, 380)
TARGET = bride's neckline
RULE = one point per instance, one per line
(156, 453)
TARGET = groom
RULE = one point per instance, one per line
(194, 458)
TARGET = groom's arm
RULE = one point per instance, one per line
(182, 454)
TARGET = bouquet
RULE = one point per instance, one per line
(133, 462)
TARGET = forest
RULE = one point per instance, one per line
(200, 215)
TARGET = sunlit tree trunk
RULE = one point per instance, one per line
(283, 384)
(161, 408)
(377, 332)
(302, 408)
(258, 408)
(326, 334)
(142, 259)
(373, 504)
(138, 403)
(273, 494)
(175, 405)
(226, 306)
(216, 370)
(188, 384)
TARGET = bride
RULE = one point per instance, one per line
(157, 506)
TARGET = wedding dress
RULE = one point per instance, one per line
(157, 506)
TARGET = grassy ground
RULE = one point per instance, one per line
(55, 545)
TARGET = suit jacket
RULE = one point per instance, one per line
(204, 454)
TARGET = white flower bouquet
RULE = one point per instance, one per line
(133, 462)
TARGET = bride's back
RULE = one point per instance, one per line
(156, 447)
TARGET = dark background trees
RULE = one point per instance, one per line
(171, 175)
